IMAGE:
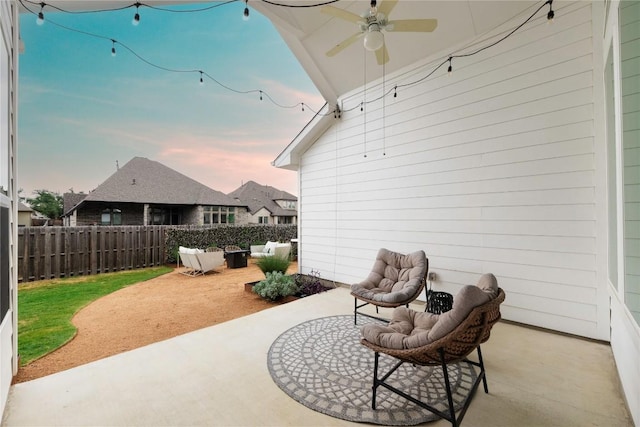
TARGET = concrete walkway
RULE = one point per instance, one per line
(218, 376)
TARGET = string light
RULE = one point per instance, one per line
(245, 15)
(40, 19)
(136, 17)
(337, 111)
(450, 69)
(201, 80)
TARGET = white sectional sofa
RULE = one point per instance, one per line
(270, 249)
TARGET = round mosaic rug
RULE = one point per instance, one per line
(322, 365)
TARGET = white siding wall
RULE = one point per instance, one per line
(489, 170)
(630, 74)
(625, 301)
(8, 195)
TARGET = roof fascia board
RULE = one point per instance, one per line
(289, 158)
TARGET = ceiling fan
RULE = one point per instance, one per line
(371, 24)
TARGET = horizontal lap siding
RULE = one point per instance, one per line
(630, 70)
(489, 170)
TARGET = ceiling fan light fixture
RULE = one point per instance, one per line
(374, 39)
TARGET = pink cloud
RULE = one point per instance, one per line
(225, 170)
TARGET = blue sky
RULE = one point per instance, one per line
(82, 109)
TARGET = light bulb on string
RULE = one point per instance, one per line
(374, 9)
(450, 69)
(40, 19)
(113, 47)
(201, 79)
(260, 95)
(136, 17)
(303, 106)
(245, 14)
(395, 91)
(550, 14)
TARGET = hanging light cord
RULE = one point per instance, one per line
(449, 58)
(262, 93)
(166, 9)
(336, 111)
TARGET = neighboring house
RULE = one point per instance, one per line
(524, 162)
(145, 192)
(24, 215)
(267, 205)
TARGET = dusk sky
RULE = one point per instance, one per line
(82, 109)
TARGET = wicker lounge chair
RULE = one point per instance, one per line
(428, 339)
(395, 279)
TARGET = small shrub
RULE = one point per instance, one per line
(276, 286)
(310, 284)
(273, 263)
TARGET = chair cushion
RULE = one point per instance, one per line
(410, 329)
(394, 278)
(184, 250)
(270, 247)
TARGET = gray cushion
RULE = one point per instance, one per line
(394, 278)
(410, 329)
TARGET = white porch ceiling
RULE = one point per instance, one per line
(311, 33)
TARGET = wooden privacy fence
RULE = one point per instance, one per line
(52, 252)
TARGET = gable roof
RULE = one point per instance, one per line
(24, 208)
(258, 196)
(146, 181)
(70, 200)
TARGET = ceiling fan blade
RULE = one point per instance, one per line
(413, 25)
(387, 6)
(342, 14)
(382, 55)
(344, 44)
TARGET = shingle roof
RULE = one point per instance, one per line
(71, 200)
(146, 181)
(258, 196)
(24, 208)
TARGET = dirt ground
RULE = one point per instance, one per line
(152, 311)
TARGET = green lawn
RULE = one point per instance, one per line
(45, 308)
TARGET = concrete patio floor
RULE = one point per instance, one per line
(218, 376)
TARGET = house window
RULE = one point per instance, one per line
(263, 220)
(111, 217)
(164, 216)
(285, 220)
(5, 280)
(219, 215)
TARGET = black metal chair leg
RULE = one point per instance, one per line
(355, 311)
(375, 380)
(445, 372)
(482, 371)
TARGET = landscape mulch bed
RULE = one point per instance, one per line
(151, 311)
